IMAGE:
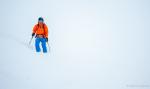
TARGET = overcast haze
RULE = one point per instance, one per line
(95, 44)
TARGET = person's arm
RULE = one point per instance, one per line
(34, 30)
(46, 32)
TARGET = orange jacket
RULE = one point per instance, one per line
(41, 30)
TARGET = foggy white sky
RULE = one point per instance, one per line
(95, 44)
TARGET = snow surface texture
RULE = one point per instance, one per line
(95, 44)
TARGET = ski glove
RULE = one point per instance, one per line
(46, 39)
(33, 34)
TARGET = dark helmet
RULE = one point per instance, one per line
(41, 19)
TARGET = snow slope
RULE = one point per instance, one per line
(95, 44)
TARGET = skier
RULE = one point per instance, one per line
(40, 31)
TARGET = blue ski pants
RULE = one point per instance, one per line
(43, 43)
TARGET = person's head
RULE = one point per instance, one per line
(40, 21)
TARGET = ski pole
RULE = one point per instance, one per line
(30, 40)
(48, 46)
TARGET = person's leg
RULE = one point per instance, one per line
(43, 40)
(37, 44)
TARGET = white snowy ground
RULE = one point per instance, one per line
(95, 44)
